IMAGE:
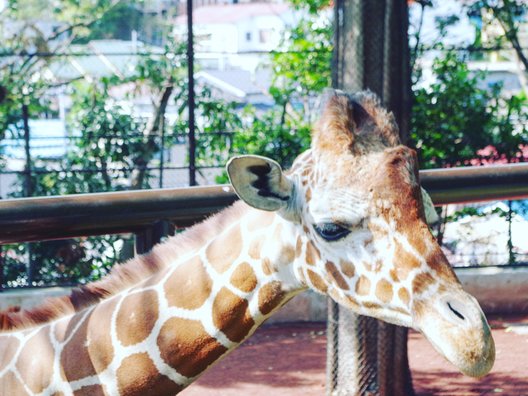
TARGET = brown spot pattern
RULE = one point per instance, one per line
(384, 291)
(189, 285)
(312, 254)
(417, 236)
(348, 269)
(231, 315)
(8, 348)
(404, 296)
(377, 231)
(336, 276)
(287, 255)
(367, 266)
(11, 385)
(405, 262)
(267, 268)
(90, 350)
(60, 330)
(363, 286)
(308, 194)
(316, 281)
(255, 247)
(91, 390)
(136, 317)
(421, 282)
(352, 301)
(35, 362)
(270, 297)
(244, 278)
(298, 247)
(137, 375)
(438, 262)
(371, 305)
(186, 346)
(225, 249)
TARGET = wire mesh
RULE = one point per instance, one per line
(365, 356)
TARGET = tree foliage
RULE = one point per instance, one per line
(509, 14)
(450, 118)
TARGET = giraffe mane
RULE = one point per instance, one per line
(121, 276)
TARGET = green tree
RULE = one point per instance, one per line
(113, 148)
(450, 120)
(456, 121)
(510, 16)
(116, 23)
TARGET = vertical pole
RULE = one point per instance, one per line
(145, 239)
(28, 187)
(162, 151)
(191, 104)
(2, 268)
(369, 357)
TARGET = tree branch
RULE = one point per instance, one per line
(510, 31)
(153, 128)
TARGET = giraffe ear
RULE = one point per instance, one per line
(259, 182)
(431, 216)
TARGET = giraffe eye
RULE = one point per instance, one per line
(331, 231)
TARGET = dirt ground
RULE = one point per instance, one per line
(290, 360)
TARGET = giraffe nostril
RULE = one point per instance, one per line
(458, 314)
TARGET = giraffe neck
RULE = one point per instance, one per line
(158, 335)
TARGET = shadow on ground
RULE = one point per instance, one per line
(437, 383)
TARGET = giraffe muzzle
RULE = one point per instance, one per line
(457, 328)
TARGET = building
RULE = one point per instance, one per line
(240, 86)
(483, 239)
(236, 35)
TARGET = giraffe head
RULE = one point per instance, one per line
(358, 214)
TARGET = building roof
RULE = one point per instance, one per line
(241, 85)
(230, 13)
(103, 58)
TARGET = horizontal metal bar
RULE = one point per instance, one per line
(45, 218)
(476, 183)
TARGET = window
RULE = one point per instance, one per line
(265, 35)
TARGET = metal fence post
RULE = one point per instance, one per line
(145, 240)
(191, 100)
(365, 356)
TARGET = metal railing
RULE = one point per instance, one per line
(476, 183)
(47, 218)
(140, 212)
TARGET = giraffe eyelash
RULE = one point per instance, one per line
(331, 231)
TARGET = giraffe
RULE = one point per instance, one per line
(347, 220)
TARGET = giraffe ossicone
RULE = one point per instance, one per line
(347, 220)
